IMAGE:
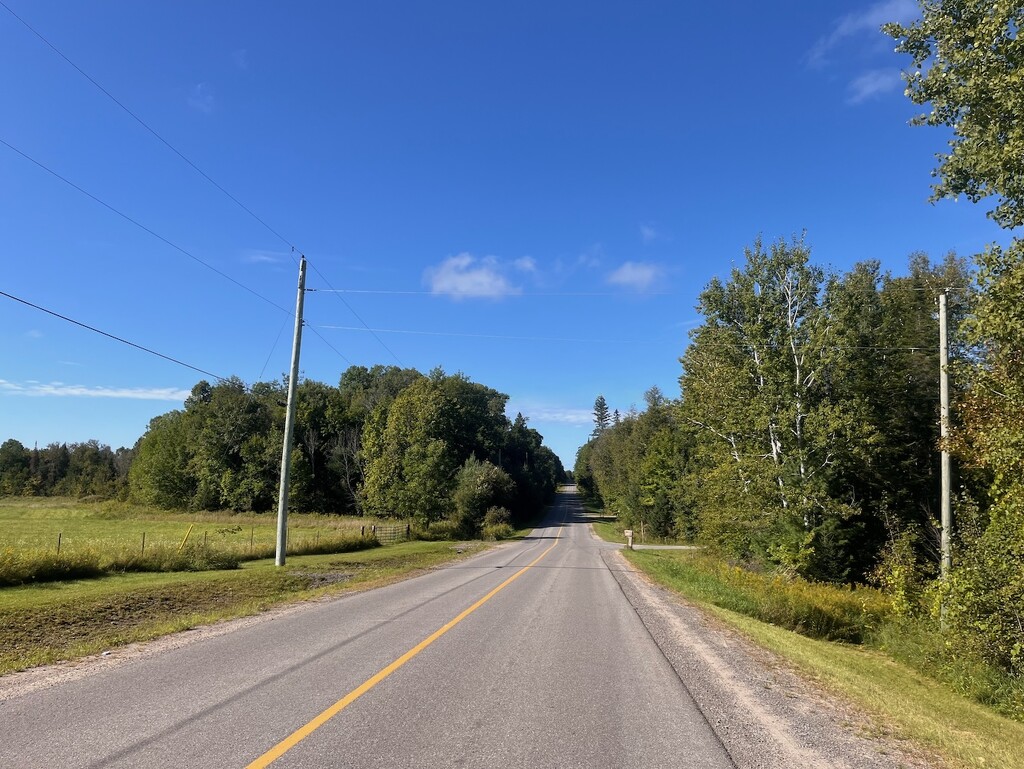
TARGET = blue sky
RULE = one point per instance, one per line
(532, 193)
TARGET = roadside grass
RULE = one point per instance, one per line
(45, 539)
(814, 625)
(49, 622)
(820, 611)
(910, 705)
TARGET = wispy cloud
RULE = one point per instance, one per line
(264, 257)
(592, 257)
(648, 234)
(868, 20)
(525, 264)
(873, 83)
(34, 334)
(465, 276)
(61, 390)
(202, 98)
(554, 414)
(636, 275)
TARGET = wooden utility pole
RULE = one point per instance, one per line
(289, 422)
(947, 515)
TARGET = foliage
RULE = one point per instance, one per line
(386, 441)
(985, 595)
(76, 469)
(602, 418)
(816, 610)
(967, 65)
(481, 489)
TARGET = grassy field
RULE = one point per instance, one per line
(50, 539)
(36, 522)
(64, 620)
(909, 704)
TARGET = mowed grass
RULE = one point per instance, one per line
(806, 624)
(64, 620)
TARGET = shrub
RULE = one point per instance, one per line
(498, 531)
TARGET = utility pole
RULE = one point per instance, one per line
(289, 422)
(947, 516)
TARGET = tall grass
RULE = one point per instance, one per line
(857, 615)
(21, 565)
(820, 611)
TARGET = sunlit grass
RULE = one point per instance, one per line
(63, 620)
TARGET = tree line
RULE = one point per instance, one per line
(63, 469)
(806, 434)
(805, 437)
(386, 441)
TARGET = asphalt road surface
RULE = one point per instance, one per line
(549, 667)
(550, 652)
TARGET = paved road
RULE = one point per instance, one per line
(555, 669)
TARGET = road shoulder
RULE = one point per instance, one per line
(764, 712)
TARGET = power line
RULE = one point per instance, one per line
(112, 336)
(340, 355)
(146, 125)
(356, 314)
(526, 294)
(490, 336)
(141, 226)
(191, 164)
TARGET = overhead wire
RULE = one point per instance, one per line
(491, 336)
(196, 168)
(148, 127)
(143, 227)
(282, 238)
(112, 336)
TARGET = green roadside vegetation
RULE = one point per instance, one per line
(46, 539)
(848, 640)
(45, 623)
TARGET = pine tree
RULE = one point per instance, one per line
(602, 419)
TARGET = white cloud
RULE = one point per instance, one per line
(202, 98)
(264, 257)
(34, 334)
(873, 83)
(869, 19)
(61, 390)
(635, 275)
(465, 276)
(525, 264)
(648, 233)
(553, 414)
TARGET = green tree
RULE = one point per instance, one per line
(479, 486)
(766, 434)
(986, 591)
(14, 468)
(602, 418)
(967, 65)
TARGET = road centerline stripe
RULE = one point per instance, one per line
(302, 732)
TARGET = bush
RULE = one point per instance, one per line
(496, 516)
(498, 531)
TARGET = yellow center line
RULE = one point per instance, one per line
(303, 732)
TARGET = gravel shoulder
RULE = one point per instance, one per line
(766, 715)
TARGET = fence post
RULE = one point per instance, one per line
(252, 536)
(59, 535)
(143, 543)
